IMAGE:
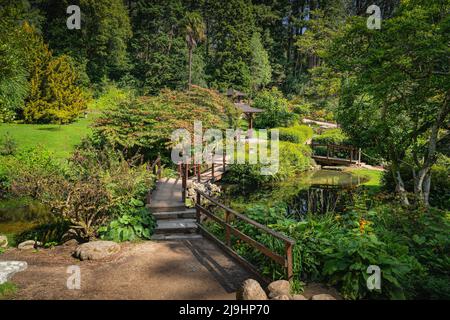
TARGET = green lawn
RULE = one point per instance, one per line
(373, 176)
(61, 139)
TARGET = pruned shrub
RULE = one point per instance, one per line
(296, 134)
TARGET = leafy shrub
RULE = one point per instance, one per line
(8, 146)
(276, 110)
(302, 110)
(331, 136)
(293, 159)
(146, 124)
(134, 222)
(296, 134)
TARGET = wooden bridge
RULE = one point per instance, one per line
(336, 154)
(177, 222)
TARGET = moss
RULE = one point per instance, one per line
(7, 290)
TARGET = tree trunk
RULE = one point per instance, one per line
(399, 184)
(190, 69)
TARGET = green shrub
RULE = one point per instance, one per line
(296, 134)
(276, 110)
(8, 146)
(331, 136)
(302, 110)
(134, 222)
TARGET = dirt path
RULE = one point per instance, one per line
(194, 269)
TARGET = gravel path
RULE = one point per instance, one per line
(194, 269)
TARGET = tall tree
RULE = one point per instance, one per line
(396, 88)
(230, 29)
(195, 32)
(101, 44)
(260, 68)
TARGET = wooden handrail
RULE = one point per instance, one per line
(157, 162)
(285, 261)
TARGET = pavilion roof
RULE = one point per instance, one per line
(245, 108)
(235, 93)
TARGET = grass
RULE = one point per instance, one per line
(60, 139)
(7, 290)
(373, 176)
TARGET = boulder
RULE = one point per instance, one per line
(298, 297)
(9, 268)
(323, 296)
(29, 245)
(282, 297)
(251, 290)
(70, 243)
(3, 241)
(279, 288)
(96, 250)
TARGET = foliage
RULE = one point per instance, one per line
(13, 81)
(293, 159)
(331, 136)
(260, 68)
(296, 134)
(7, 290)
(394, 99)
(134, 222)
(54, 96)
(8, 146)
(147, 123)
(440, 183)
(231, 26)
(101, 43)
(276, 110)
(158, 46)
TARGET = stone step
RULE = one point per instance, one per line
(176, 226)
(181, 236)
(187, 214)
(164, 206)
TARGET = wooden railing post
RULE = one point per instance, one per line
(183, 181)
(197, 211)
(212, 172)
(289, 267)
(227, 229)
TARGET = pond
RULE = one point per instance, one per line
(315, 192)
(19, 215)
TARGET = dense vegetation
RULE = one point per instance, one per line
(83, 113)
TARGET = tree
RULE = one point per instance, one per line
(230, 28)
(158, 47)
(195, 32)
(260, 66)
(14, 73)
(101, 43)
(276, 110)
(395, 94)
(54, 96)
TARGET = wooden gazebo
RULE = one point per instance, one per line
(248, 111)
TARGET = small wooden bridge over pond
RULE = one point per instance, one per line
(334, 154)
(175, 221)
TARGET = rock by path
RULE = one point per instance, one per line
(194, 269)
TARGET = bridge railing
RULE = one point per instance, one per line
(283, 260)
(353, 153)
